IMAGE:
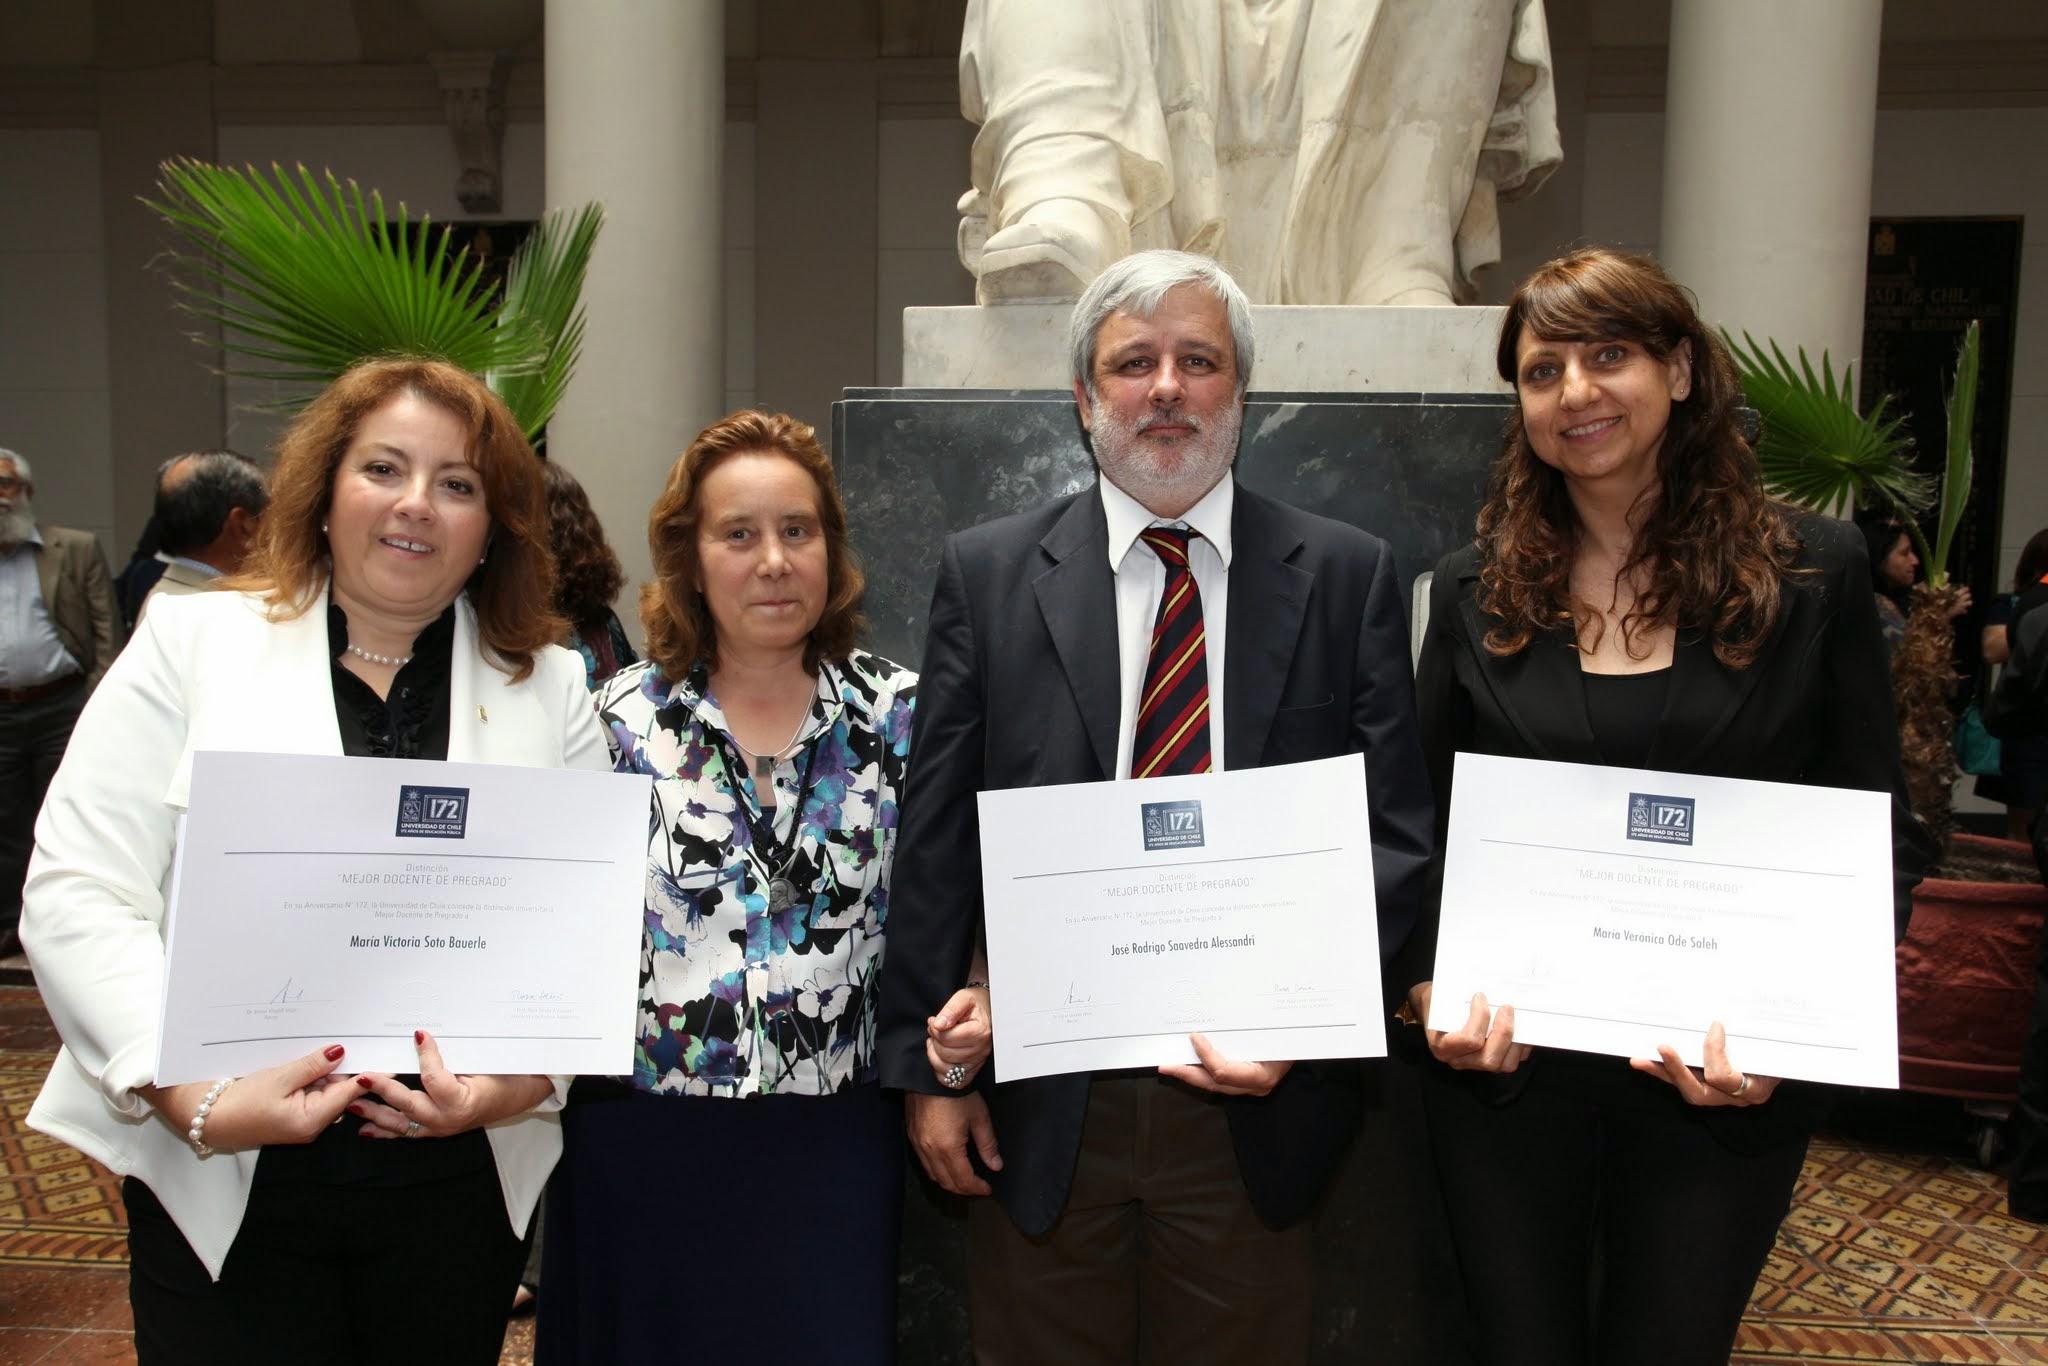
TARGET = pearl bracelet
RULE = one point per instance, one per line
(196, 1135)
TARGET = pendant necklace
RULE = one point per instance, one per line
(780, 858)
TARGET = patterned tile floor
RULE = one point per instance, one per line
(1888, 1256)
(1899, 1257)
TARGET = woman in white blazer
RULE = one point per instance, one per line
(397, 605)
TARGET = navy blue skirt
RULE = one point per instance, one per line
(694, 1228)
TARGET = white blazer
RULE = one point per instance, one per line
(209, 671)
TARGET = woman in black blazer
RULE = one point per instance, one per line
(1634, 599)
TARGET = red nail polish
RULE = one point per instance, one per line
(419, 1036)
(334, 1052)
(363, 1082)
(358, 1111)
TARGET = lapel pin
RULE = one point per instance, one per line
(482, 715)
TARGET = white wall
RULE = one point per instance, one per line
(53, 325)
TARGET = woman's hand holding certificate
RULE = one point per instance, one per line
(1671, 918)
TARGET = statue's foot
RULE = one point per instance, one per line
(1051, 252)
(973, 232)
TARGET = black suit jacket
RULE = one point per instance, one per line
(1019, 688)
(1814, 707)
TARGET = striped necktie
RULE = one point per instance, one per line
(1173, 709)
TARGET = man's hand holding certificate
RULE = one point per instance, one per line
(1617, 910)
(354, 901)
(1123, 917)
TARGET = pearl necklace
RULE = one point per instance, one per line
(396, 662)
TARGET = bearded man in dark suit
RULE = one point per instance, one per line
(59, 630)
(1158, 1214)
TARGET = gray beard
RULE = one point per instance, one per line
(1203, 458)
(16, 523)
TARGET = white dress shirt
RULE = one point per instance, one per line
(1140, 581)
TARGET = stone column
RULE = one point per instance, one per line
(636, 120)
(1770, 117)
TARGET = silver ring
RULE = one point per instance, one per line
(412, 1130)
(1742, 1090)
(955, 1078)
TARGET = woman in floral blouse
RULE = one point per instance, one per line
(739, 1193)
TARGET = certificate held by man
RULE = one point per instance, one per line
(1124, 916)
(1620, 909)
(353, 901)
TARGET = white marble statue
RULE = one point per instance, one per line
(1325, 151)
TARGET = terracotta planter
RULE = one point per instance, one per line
(1966, 979)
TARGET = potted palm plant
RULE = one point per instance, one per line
(1817, 450)
(1965, 968)
(308, 274)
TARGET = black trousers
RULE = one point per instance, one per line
(1597, 1221)
(33, 736)
(329, 1274)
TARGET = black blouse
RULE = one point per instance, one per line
(1624, 710)
(411, 722)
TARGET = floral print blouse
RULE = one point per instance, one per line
(737, 998)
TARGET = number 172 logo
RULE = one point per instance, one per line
(1659, 819)
(433, 812)
(1173, 825)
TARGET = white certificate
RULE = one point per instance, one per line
(1122, 917)
(327, 900)
(1618, 909)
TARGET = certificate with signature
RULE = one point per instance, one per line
(327, 900)
(1122, 917)
(1618, 909)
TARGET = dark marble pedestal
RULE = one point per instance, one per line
(915, 465)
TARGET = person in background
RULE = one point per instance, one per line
(1633, 598)
(396, 602)
(1894, 566)
(2017, 712)
(587, 578)
(751, 1133)
(2022, 780)
(208, 507)
(587, 582)
(145, 562)
(59, 630)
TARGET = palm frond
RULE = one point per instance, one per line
(308, 276)
(1815, 449)
(543, 287)
(1960, 405)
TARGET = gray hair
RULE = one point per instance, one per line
(1135, 285)
(191, 512)
(21, 469)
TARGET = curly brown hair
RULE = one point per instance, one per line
(510, 590)
(680, 631)
(588, 576)
(1715, 547)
